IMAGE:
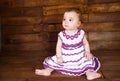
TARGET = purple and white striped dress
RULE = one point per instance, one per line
(75, 63)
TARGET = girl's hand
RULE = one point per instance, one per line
(88, 55)
(60, 60)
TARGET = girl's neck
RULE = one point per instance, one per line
(71, 31)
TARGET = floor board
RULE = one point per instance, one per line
(20, 66)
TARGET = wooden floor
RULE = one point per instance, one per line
(19, 66)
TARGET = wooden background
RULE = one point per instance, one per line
(34, 24)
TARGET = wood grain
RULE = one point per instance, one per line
(21, 20)
(21, 3)
(25, 24)
(59, 9)
(101, 27)
(21, 12)
(99, 1)
(20, 66)
(104, 17)
(110, 7)
(22, 29)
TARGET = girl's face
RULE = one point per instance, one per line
(71, 20)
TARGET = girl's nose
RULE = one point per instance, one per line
(66, 21)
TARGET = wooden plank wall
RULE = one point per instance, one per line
(0, 35)
(104, 24)
(34, 24)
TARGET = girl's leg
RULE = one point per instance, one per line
(44, 72)
(92, 75)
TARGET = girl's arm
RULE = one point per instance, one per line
(88, 55)
(86, 44)
(58, 51)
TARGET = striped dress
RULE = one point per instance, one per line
(75, 64)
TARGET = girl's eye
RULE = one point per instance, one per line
(70, 19)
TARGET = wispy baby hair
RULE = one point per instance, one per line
(74, 9)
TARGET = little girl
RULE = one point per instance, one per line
(73, 55)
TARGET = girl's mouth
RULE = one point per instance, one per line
(66, 25)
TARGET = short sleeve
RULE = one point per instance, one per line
(60, 35)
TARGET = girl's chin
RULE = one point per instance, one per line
(65, 26)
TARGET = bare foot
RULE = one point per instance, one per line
(92, 75)
(43, 72)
